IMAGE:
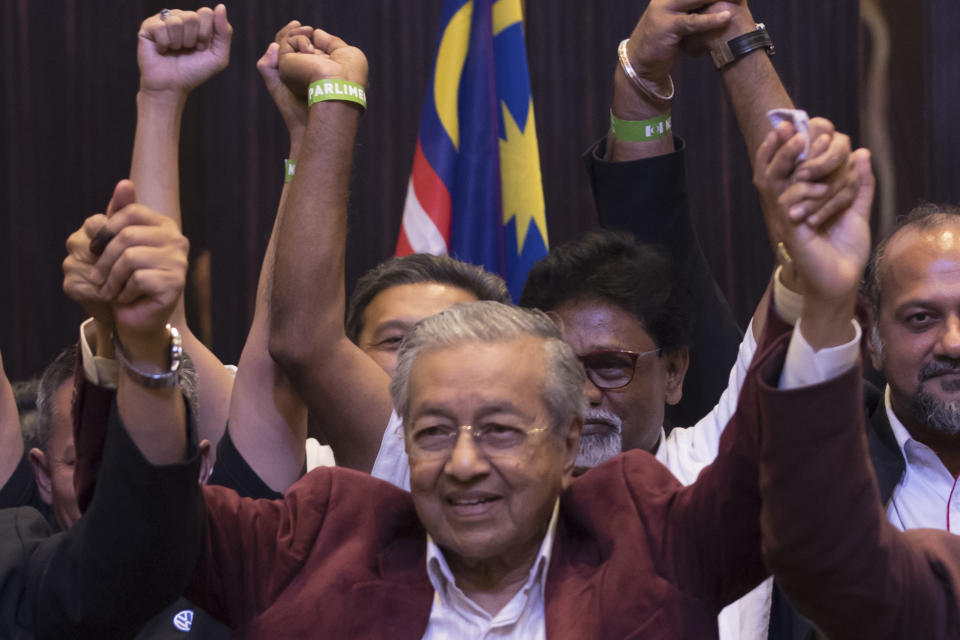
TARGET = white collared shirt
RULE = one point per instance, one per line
(926, 496)
(455, 615)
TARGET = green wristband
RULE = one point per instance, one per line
(641, 130)
(335, 89)
(289, 169)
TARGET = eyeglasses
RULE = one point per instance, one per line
(612, 369)
(493, 440)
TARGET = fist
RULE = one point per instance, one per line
(183, 50)
(305, 59)
(81, 281)
(142, 270)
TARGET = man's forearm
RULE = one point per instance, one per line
(155, 418)
(311, 243)
(753, 86)
(629, 104)
(268, 419)
(155, 168)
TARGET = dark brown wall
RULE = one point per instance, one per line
(69, 79)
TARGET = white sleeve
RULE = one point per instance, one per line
(805, 367)
(318, 455)
(392, 464)
(686, 451)
(98, 370)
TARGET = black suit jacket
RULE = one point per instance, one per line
(126, 558)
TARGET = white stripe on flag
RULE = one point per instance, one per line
(421, 231)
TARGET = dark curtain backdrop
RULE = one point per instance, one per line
(69, 79)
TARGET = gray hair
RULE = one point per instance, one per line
(59, 372)
(38, 429)
(564, 385)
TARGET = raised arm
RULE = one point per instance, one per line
(176, 54)
(342, 386)
(754, 88)
(11, 439)
(724, 500)
(99, 579)
(268, 420)
(141, 274)
(826, 537)
(639, 185)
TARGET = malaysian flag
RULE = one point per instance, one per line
(475, 191)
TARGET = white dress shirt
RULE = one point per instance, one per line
(455, 616)
(926, 496)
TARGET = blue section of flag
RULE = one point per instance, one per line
(513, 81)
(518, 266)
(475, 234)
(494, 75)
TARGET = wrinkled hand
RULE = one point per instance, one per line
(183, 51)
(81, 280)
(304, 60)
(292, 108)
(142, 271)
(741, 21)
(655, 41)
(829, 252)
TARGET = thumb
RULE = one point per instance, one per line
(268, 63)
(222, 31)
(123, 194)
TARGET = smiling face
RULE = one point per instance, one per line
(480, 507)
(636, 410)
(919, 327)
(391, 313)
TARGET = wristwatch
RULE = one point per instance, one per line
(732, 50)
(164, 380)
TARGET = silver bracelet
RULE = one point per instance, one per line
(647, 88)
(164, 380)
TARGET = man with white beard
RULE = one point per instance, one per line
(628, 314)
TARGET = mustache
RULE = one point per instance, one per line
(938, 368)
(596, 414)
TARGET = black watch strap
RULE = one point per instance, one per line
(732, 50)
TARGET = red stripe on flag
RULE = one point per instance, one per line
(403, 244)
(431, 192)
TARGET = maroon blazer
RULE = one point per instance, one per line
(825, 533)
(637, 554)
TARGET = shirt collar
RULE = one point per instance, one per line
(444, 582)
(903, 437)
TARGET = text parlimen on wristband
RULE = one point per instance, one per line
(336, 89)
